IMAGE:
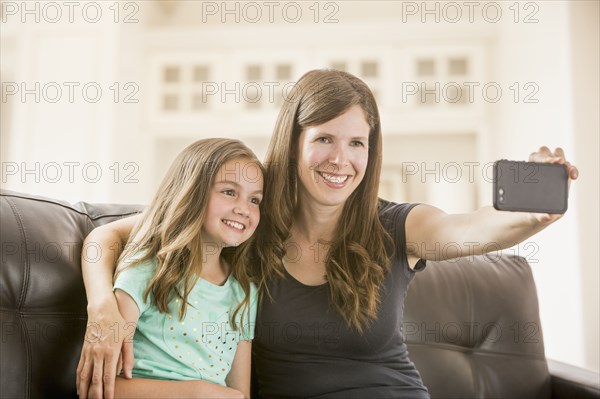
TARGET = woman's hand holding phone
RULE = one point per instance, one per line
(538, 186)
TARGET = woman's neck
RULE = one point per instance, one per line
(315, 222)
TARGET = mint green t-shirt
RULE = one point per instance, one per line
(199, 347)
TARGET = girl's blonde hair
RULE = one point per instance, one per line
(356, 261)
(170, 229)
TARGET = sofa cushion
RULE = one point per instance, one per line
(473, 330)
(42, 298)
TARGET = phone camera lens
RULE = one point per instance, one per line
(501, 199)
(501, 191)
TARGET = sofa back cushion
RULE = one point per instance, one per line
(42, 297)
(473, 330)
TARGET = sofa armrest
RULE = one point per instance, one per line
(573, 382)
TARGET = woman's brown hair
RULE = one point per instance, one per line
(170, 229)
(356, 262)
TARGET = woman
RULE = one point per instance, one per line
(333, 262)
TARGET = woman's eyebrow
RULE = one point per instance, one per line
(318, 132)
(326, 133)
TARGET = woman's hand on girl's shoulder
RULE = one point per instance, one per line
(103, 354)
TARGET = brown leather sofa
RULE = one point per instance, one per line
(472, 325)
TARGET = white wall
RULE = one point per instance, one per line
(583, 22)
(541, 53)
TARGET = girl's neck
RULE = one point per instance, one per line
(214, 268)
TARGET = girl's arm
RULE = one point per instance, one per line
(239, 375)
(148, 388)
(99, 361)
(435, 235)
(131, 313)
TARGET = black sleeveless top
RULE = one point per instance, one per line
(303, 348)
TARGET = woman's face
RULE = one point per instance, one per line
(332, 158)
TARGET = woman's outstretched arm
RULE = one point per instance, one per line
(435, 235)
(101, 353)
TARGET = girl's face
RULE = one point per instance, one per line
(332, 158)
(233, 210)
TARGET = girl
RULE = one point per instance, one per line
(184, 285)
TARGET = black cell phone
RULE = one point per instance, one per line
(530, 187)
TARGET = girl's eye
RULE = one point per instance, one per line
(323, 140)
(357, 143)
(255, 201)
(229, 192)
